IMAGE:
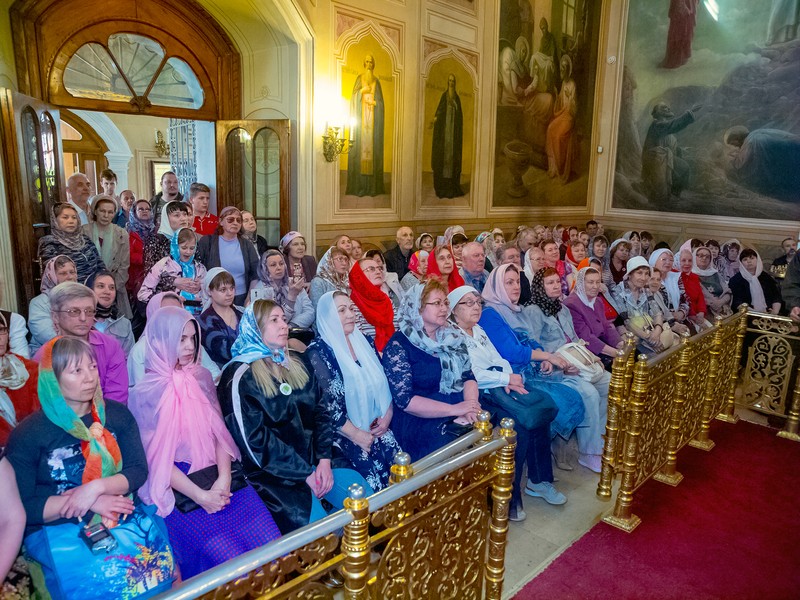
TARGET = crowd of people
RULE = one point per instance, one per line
(181, 381)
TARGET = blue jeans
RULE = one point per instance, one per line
(342, 479)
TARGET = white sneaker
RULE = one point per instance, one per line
(546, 491)
(591, 462)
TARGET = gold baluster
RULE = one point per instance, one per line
(669, 472)
(355, 545)
(484, 425)
(501, 498)
(401, 469)
(790, 430)
(616, 389)
(728, 413)
(621, 516)
(701, 440)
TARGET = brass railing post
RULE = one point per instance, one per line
(790, 430)
(669, 472)
(494, 573)
(484, 425)
(728, 413)
(615, 393)
(701, 440)
(622, 516)
(355, 545)
(401, 469)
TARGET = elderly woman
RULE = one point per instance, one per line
(563, 268)
(301, 266)
(73, 307)
(589, 316)
(276, 285)
(270, 400)
(332, 275)
(113, 245)
(639, 315)
(417, 269)
(136, 357)
(356, 393)
(427, 365)
(504, 393)
(551, 325)
(179, 272)
(694, 290)
(190, 452)
(716, 292)
(174, 217)
(425, 242)
(377, 305)
(232, 252)
(250, 233)
(66, 238)
(442, 267)
(391, 279)
(754, 286)
(729, 259)
(106, 317)
(18, 377)
(672, 295)
(40, 320)
(81, 456)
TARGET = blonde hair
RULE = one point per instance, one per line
(268, 374)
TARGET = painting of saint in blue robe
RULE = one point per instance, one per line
(448, 134)
(766, 161)
(367, 111)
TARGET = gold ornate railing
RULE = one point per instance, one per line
(432, 533)
(659, 404)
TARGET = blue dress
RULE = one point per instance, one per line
(373, 466)
(218, 337)
(413, 372)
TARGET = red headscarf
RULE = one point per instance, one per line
(455, 280)
(374, 304)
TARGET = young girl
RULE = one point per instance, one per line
(179, 272)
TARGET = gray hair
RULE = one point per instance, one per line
(66, 292)
(68, 351)
(500, 251)
(471, 247)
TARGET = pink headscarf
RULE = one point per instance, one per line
(176, 409)
(155, 302)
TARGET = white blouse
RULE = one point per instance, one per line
(484, 356)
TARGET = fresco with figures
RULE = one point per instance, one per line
(710, 109)
(545, 93)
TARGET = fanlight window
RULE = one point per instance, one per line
(132, 68)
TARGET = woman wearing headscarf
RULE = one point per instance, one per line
(250, 233)
(18, 377)
(174, 217)
(107, 318)
(67, 238)
(113, 245)
(754, 286)
(276, 285)
(427, 365)
(563, 268)
(442, 267)
(716, 292)
(589, 316)
(551, 325)
(425, 242)
(417, 269)
(508, 328)
(486, 239)
(598, 247)
(183, 433)
(301, 266)
(100, 462)
(632, 237)
(332, 275)
(355, 390)
(729, 259)
(638, 313)
(505, 394)
(270, 400)
(615, 266)
(693, 289)
(219, 322)
(40, 320)
(140, 227)
(672, 293)
(377, 305)
(179, 272)
(136, 357)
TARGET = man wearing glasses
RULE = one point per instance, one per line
(72, 307)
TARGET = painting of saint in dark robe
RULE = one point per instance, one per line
(448, 138)
(765, 160)
(367, 111)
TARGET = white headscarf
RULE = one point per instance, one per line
(164, 226)
(711, 270)
(670, 280)
(757, 299)
(580, 286)
(210, 274)
(366, 390)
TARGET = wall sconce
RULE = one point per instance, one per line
(162, 147)
(334, 144)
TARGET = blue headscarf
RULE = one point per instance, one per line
(249, 345)
(188, 269)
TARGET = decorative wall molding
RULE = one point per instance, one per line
(444, 26)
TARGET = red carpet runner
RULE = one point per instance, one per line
(729, 530)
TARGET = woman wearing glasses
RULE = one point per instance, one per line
(428, 368)
(73, 307)
(232, 252)
(377, 304)
(331, 275)
(505, 394)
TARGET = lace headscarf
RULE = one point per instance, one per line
(326, 271)
(49, 276)
(757, 299)
(280, 287)
(144, 228)
(448, 346)
(550, 306)
(75, 240)
(580, 286)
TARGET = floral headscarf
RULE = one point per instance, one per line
(326, 271)
(448, 347)
(281, 287)
(142, 227)
(580, 285)
(75, 240)
(550, 306)
(49, 276)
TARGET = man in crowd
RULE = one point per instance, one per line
(108, 181)
(397, 258)
(591, 228)
(169, 191)
(473, 259)
(78, 193)
(126, 200)
(204, 223)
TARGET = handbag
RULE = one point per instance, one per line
(140, 565)
(577, 355)
(204, 479)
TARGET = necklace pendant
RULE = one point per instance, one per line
(285, 389)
